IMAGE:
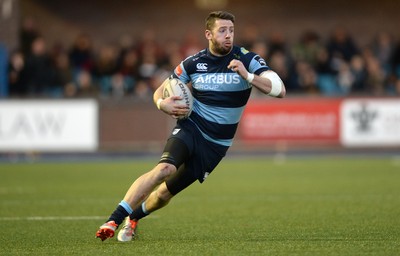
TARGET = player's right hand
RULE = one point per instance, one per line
(171, 107)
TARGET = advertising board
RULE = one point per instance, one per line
(48, 125)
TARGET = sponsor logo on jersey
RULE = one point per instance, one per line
(206, 175)
(260, 60)
(216, 79)
(244, 51)
(208, 87)
(236, 56)
(201, 66)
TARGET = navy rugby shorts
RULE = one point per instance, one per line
(193, 156)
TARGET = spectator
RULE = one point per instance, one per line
(15, 67)
(81, 54)
(327, 82)
(341, 45)
(322, 62)
(64, 75)
(304, 78)
(395, 61)
(27, 34)
(376, 74)
(125, 44)
(383, 48)
(359, 72)
(120, 85)
(128, 68)
(279, 62)
(345, 79)
(143, 91)
(276, 43)
(39, 73)
(105, 66)
(147, 44)
(308, 48)
(84, 88)
(148, 65)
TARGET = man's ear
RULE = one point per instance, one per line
(208, 34)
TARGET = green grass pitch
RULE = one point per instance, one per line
(248, 206)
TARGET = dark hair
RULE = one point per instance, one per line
(213, 16)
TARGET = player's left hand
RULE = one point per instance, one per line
(238, 67)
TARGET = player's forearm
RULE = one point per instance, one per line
(269, 83)
(158, 94)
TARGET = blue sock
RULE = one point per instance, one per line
(120, 212)
(139, 212)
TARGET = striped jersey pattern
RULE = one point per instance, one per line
(219, 93)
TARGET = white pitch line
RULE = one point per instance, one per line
(36, 218)
(50, 218)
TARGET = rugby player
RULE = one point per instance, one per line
(221, 77)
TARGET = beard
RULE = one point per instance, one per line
(219, 48)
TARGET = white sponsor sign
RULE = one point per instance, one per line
(370, 122)
(48, 125)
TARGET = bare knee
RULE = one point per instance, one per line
(164, 170)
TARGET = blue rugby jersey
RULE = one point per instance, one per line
(219, 93)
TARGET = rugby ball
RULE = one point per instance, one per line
(176, 87)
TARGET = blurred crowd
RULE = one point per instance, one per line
(334, 66)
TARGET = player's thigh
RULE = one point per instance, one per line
(180, 180)
(176, 152)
